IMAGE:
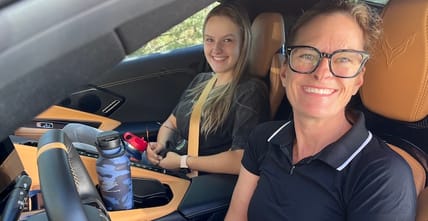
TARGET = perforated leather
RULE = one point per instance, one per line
(396, 80)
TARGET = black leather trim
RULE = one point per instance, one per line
(175, 216)
(207, 194)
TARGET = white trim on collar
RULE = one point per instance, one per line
(364, 144)
(277, 131)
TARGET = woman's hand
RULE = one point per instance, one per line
(171, 161)
(153, 151)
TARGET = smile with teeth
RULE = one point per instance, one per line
(322, 91)
(219, 58)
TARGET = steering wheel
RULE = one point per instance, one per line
(68, 191)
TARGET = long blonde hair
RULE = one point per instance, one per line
(219, 101)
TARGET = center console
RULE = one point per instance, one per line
(159, 194)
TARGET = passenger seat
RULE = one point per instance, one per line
(266, 57)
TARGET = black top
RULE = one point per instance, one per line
(357, 177)
(250, 106)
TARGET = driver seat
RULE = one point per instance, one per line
(266, 57)
(395, 89)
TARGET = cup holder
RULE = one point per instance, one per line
(150, 193)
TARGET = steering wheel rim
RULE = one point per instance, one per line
(68, 191)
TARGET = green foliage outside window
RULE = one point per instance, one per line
(185, 34)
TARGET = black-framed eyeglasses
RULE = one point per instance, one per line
(343, 63)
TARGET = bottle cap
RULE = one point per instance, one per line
(108, 140)
(135, 142)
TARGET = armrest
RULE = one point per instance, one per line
(208, 194)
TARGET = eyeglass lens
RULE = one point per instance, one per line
(342, 63)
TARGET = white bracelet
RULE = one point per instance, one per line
(183, 161)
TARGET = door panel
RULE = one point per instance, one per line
(56, 117)
(141, 92)
(94, 100)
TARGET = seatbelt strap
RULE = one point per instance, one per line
(195, 119)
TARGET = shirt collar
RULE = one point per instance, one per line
(338, 154)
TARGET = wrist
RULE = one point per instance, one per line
(160, 146)
(183, 161)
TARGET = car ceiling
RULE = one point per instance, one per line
(50, 48)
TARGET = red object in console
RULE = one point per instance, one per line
(137, 142)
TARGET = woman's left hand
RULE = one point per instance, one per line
(171, 161)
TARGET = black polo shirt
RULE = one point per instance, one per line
(358, 177)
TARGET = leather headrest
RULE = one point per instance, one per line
(396, 79)
(268, 36)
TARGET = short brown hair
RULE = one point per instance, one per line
(368, 19)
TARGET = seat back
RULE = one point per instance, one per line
(265, 59)
(395, 88)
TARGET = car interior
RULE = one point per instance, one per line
(394, 99)
(394, 93)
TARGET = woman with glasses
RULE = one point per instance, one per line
(324, 164)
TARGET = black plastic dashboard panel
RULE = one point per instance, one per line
(57, 124)
(94, 100)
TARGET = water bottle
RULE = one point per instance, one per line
(113, 169)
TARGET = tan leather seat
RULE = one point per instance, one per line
(265, 57)
(396, 79)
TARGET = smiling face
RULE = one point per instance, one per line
(320, 94)
(222, 40)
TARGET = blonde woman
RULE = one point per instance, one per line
(235, 104)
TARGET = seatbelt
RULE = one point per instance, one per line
(195, 119)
